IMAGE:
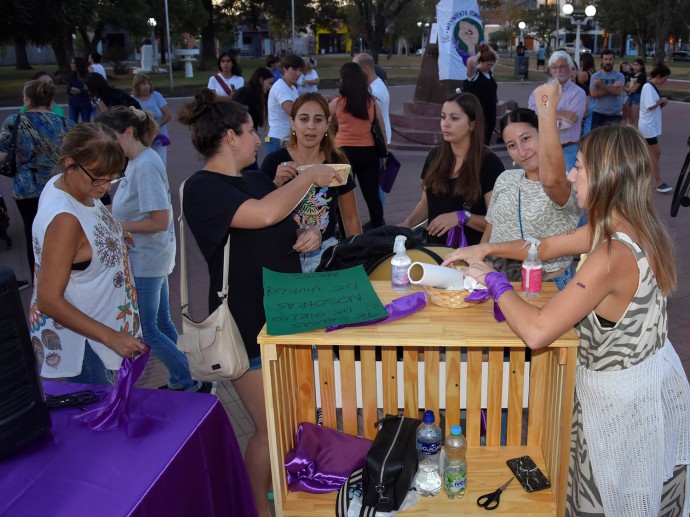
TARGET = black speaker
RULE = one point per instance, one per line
(23, 411)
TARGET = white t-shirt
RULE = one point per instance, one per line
(278, 119)
(234, 83)
(97, 68)
(649, 122)
(379, 90)
(310, 76)
(145, 189)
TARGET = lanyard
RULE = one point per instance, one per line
(522, 235)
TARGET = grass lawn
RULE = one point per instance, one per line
(400, 69)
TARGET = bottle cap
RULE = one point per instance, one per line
(456, 430)
(429, 417)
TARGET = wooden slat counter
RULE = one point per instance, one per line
(470, 337)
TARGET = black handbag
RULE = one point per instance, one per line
(389, 470)
(9, 165)
(379, 140)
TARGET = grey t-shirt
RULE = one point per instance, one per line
(608, 104)
(145, 189)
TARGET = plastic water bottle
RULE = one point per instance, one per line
(428, 479)
(455, 464)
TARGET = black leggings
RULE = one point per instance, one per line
(28, 209)
(365, 167)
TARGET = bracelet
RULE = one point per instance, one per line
(468, 216)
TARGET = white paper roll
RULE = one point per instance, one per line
(436, 276)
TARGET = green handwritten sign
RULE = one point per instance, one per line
(298, 302)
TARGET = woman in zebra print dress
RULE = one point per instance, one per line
(630, 442)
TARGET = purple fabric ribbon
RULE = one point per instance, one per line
(323, 458)
(109, 415)
(497, 284)
(456, 235)
(162, 139)
(397, 309)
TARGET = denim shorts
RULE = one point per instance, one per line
(633, 99)
(562, 279)
(254, 363)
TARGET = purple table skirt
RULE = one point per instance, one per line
(178, 458)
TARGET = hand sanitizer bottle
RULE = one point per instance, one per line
(531, 269)
(400, 263)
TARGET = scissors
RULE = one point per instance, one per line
(490, 501)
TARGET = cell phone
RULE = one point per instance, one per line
(528, 474)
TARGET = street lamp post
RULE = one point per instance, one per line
(424, 27)
(154, 62)
(579, 17)
(522, 26)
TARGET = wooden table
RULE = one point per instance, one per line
(466, 338)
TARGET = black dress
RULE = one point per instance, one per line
(210, 203)
(492, 167)
(485, 89)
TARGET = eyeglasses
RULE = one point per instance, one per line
(560, 67)
(97, 182)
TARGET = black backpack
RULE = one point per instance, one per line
(371, 248)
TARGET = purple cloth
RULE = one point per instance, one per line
(115, 411)
(397, 309)
(456, 235)
(162, 139)
(497, 284)
(179, 458)
(323, 458)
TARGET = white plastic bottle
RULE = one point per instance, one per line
(531, 269)
(428, 479)
(400, 263)
(455, 464)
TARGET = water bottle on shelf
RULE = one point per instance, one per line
(455, 464)
(428, 479)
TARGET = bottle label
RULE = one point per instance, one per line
(455, 482)
(399, 276)
(531, 280)
(428, 448)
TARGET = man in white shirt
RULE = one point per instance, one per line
(377, 88)
(281, 97)
(95, 65)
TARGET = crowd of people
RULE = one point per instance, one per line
(282, 214)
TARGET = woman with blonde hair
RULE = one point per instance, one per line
(631, 418)
(311, 142)
(143, 207)
(151, 100)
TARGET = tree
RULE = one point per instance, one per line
(540, 22)
(377, 15)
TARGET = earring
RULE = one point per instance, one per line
(294, 133)
(325, 133)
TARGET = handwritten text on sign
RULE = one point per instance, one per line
(298, 302)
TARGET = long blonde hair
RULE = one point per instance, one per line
(620, 183)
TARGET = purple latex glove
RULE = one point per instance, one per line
(456, 235)
(109, 415)
(497, 283)
(397, 309)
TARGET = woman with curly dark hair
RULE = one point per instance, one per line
(254, 95)
(353, 113)
(458, 176)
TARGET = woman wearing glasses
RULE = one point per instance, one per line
(84, 315)
(142, 206)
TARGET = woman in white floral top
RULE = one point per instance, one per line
(84, 314)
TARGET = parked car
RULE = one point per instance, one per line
(681, 55)
(570, 49)
(420, 51)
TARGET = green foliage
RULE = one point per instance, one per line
(540, 21)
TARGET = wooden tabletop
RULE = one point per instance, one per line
(433, 326)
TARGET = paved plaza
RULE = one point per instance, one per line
(183, 161)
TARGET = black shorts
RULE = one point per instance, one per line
(540, 62)
(652, 141)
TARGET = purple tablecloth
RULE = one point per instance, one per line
(178, 458)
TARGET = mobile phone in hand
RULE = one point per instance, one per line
(528, 474)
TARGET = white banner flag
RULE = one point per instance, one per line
(460, 32)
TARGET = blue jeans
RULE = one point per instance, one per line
(310, 261)
(587, 123)
(160, 332)
(271, 146)
(570, 155)
(599, 119)
(93, 371)
(562, 279)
